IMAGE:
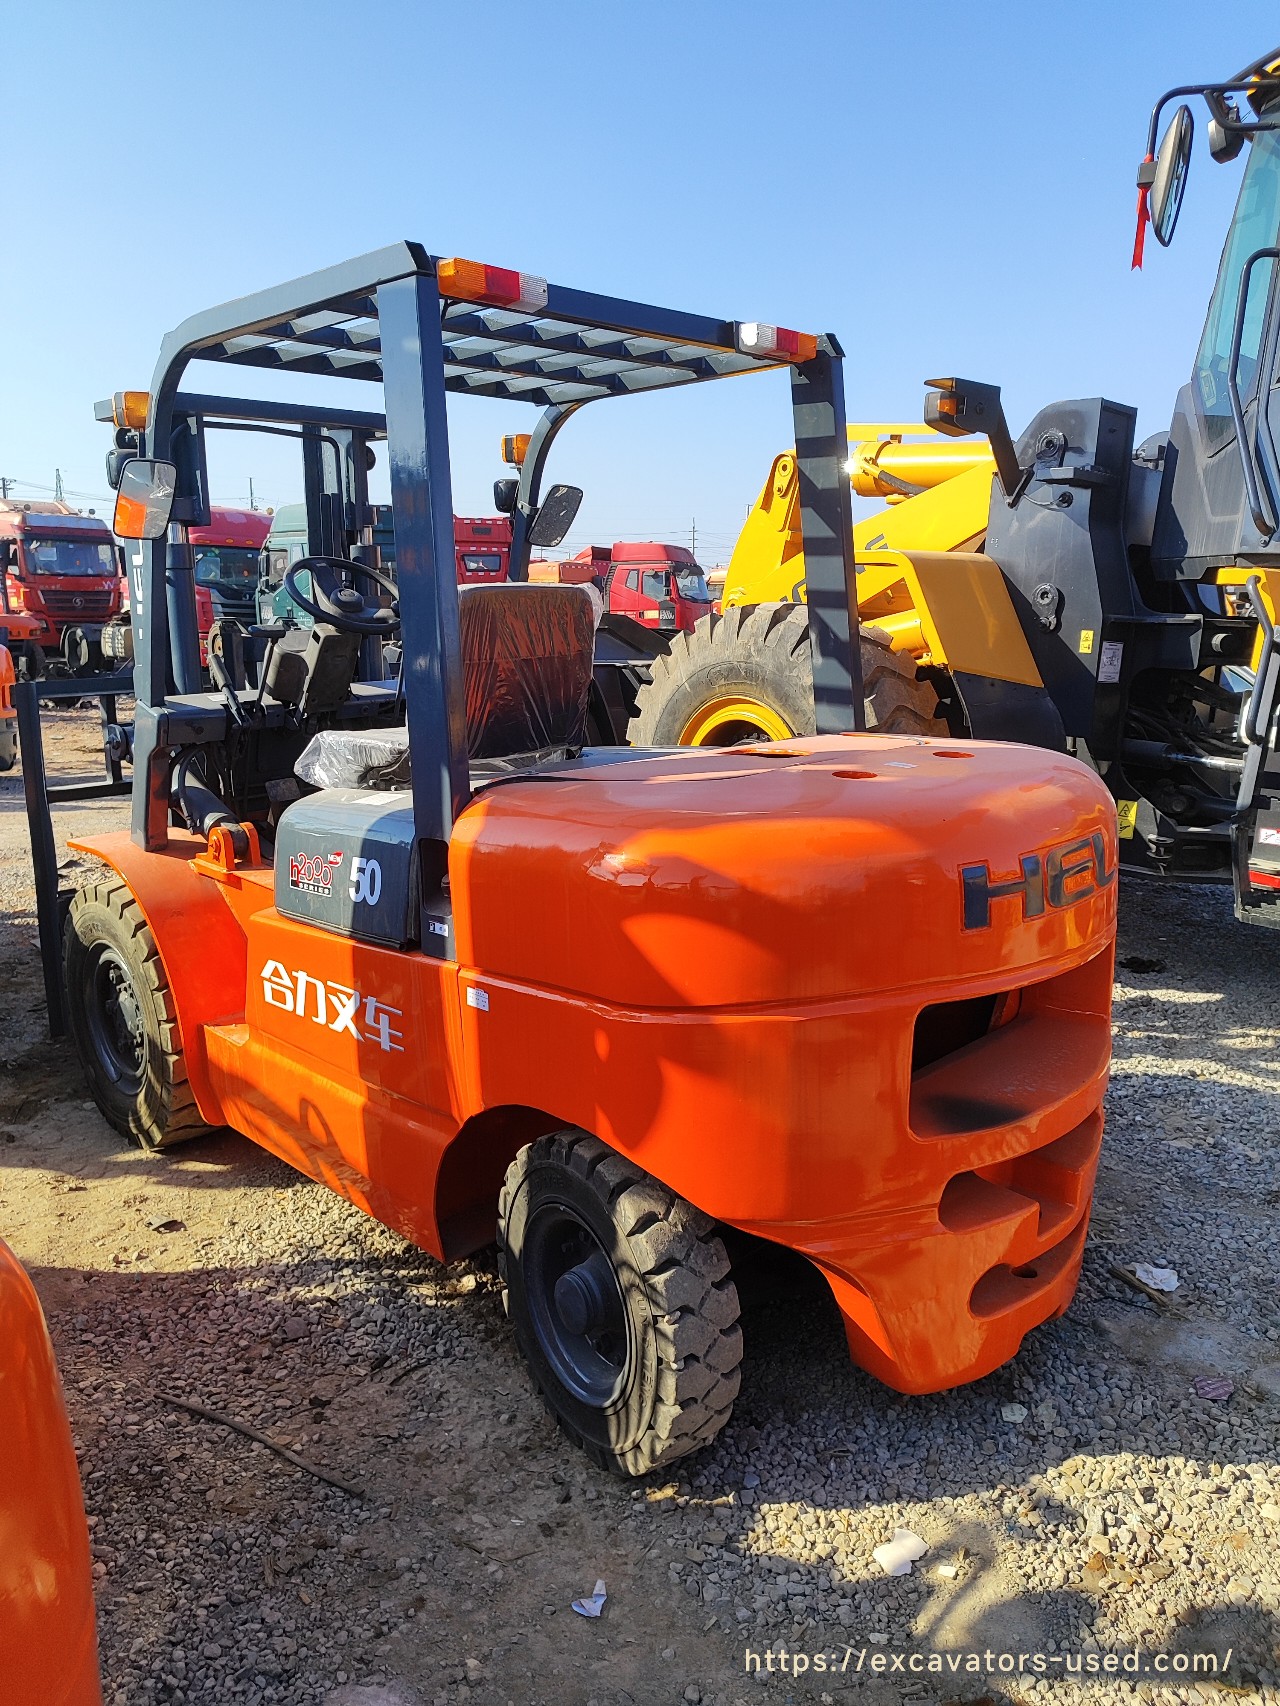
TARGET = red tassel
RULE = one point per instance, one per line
(1144, 219)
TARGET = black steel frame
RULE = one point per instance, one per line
(40, 796)
(382, 318)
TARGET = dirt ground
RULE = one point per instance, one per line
(215, 1274)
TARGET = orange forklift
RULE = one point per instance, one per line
(422, 939)
(48, 1637)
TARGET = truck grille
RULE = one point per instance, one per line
(241, 608)
(92, 605)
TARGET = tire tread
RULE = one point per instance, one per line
(693, 1300)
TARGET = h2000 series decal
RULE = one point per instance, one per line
(1065, 874)
(313, 872)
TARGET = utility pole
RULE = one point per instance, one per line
(6, 481)
(693, 538)
(57, 485)
(252, 505)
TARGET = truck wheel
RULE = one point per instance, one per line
(745, 675)
(30, 660)
(123, 1020)
(620, 1297)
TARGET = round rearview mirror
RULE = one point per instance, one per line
(144, 498)
(1173, 157)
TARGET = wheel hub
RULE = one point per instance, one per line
(731, 718)
(115, 1017)
(583, 1295)
(575, 1305)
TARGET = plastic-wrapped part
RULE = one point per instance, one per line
(354, 758)
(527, 652)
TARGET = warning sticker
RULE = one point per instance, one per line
(1267, 837)
(1086, 641)
(1127, 818)
(1109, 660)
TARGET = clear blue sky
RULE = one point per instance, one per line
(949, 189)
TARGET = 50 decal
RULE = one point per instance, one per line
(366, 882)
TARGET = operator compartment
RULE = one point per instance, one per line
(347, 858)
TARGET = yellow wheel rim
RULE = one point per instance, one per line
(729, 719)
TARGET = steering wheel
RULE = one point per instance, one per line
(338, 601)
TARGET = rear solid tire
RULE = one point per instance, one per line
(652, 1376)
(123, 1020)
(759, 654)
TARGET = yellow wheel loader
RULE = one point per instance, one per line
(1069, 589)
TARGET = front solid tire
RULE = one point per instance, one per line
(621, 1300)
(123, 1020)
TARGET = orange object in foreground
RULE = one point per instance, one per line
(850, 994)
(48, 1643)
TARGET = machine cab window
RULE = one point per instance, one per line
(1256, 225)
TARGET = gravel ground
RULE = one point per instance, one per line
(1082, 1500)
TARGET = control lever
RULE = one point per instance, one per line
(222, 680)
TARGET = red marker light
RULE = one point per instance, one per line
(473, 281)
(753, 337)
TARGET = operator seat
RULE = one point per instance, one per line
(527, 654)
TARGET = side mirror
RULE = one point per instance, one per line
(1169, 179)
(144, 499)
(504, 496)
(556, 515)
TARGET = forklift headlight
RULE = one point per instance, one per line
(130, 409)
(473, 281)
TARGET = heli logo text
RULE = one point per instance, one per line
(337, 1006)
(1045, 882)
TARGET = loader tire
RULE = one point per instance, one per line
(123, 1020)
(621, 1300)
(745, 675)
(8, 746)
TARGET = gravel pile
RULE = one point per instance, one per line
(1083, 1498)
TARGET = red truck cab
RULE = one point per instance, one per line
(660, 586)
(62, 569)
(483, 546)
(227, 555)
